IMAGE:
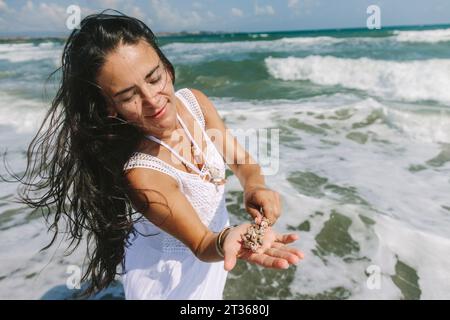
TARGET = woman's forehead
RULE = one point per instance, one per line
(126, 65)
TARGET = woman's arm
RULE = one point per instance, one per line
(163, 204)
(256, 195)
(166, 206)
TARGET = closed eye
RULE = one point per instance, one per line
(127, 99)
(154, 80)
(149, 75)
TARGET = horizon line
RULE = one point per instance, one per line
(61, 34)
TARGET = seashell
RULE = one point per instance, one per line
(253, 239)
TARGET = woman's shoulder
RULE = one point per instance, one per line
(140, 162)
(140, 176)
(205, 104)
(201, 98)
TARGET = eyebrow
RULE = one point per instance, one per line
(132, 87)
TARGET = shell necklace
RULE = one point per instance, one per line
(212, 174)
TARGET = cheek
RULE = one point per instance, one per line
(132, 112)
(173, 108)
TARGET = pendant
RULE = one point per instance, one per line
(213, 173)
(197, 154)
(218, 182)
(215, 176)
(195, 151)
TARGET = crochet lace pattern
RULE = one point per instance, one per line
(207, 199)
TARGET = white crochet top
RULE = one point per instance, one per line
(207, 199)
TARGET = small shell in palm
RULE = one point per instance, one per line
(253, 239)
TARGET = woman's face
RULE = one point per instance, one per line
(139, 88)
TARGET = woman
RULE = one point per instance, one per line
(118, 138)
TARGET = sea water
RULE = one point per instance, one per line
(363, 158)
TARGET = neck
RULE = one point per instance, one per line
(167, 135)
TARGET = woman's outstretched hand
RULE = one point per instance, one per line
(273, 254)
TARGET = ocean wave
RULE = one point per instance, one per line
(259, 35)
(193, 52)
(409, 81)
(427, 36)
(425, 127)
(428, 125)
(311, 40)
(24, 115)
(21, 52)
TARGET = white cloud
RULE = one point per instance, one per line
(37, 17)
(5, 11)
(264, 10)
(235, 12)
(28, 6)
(3, 6)
(134, 11)
(304, 6)
(169, 18)
(41, 16)
(127, 7)
(106, 4)
(52, 11)
(292, 3)
(197, 5)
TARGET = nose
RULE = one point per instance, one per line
(149, 98)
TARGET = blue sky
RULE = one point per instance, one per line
(232, 15)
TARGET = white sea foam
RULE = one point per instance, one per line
(410, 224)
(23, 115)
(258, 35)
(409, 80)
(311, 40)
(427, 36)
(434, 127)
(193, 52)
(20, 52)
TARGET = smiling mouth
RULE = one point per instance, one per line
(159, 111)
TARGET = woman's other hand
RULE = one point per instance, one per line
(261, 201)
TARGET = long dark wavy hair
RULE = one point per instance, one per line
(76, 159)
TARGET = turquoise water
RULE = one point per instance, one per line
(363, 156)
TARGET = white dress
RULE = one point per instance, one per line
(160, 266)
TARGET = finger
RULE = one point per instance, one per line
(295, 251)
(286, 238)
(270, 211)
(244, 254)
(256, 215)
(277, 204)
(268, 261)
(230, 255)
(229, 260)
(283, 254)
